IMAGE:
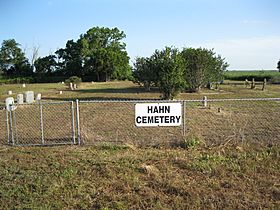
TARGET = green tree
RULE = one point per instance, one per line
(144, 72)
(202, 66)
(13, 61)
(170, 68)
(104, 54)
(70, 59)
(45, 66)
(278, 65)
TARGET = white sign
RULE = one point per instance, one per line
(158, 114)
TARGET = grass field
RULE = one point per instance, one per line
(229, 160)
(125, 177)
(128, 90)
(257, 75)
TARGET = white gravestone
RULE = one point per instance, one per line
(20, 99)
(75, 86)
(29, 97)
(60, 92)
(10, 101)
(10, 92)
(39, 97)
(23, 85)
(62, 83)
(71, 86)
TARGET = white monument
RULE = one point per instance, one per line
(10, 92)
(29, 97)
(10, 101)
(39, 97)
(23, 85)
(19, 98)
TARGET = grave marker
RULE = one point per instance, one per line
(29, 97)
(10, 101)
(19, 98)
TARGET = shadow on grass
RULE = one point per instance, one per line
(100, 99)
(119, 90)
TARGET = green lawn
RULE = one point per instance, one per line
(125, 177)
(128, 90)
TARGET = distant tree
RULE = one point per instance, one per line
(70, 59)
(45, 66)
(144, 72)
(34, 56)
(202, 66)
(104, 54)
(13, 61)
(278, 65)
(169, 65)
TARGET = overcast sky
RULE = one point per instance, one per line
(245, 32)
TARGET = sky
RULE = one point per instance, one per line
(244, 32)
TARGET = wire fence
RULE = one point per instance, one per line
(213, 122)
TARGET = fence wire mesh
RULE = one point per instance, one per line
(3, 126)
(223, 121)
(115, 122)
(41, 124)
(91, 122)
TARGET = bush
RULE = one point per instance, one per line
(74, 79)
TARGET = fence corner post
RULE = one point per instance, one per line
(78, 122)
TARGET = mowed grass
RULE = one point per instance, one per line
(234, 173)
(244, 176)
(126, 90)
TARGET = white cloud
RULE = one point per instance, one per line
(250, 53)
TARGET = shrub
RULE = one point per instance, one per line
(74, 79)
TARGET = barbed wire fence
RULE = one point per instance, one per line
(213, 122)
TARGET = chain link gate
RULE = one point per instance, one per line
(44, 123)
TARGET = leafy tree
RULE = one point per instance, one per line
(104, 54)
(202, 66)
(145, 72)
(13, 61)
(169, 65)
(278, 65)
(46, 66)
(70, 59)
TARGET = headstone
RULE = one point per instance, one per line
(204, 102)
(60, 92)
(39, 97)
(71, 86)
(23, 85)
(253, 84)
(75, 86)
(264, 84)
(19, 98)
(29, 97)
(10, 101)
(246, 83)
(10, 92)
(92, 82)
(62, 83)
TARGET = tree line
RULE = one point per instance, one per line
(100, 55)
(174, 71)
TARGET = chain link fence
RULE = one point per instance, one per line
(41, 124)
(213, 122)
(3, 125)
(223, 121)
(114, 121)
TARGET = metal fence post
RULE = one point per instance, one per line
(184, 116)
(73, 122)
(78, 121)
(11, 125)
(41, 123)
(8, 127)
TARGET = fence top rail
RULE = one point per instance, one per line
(180, 101)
